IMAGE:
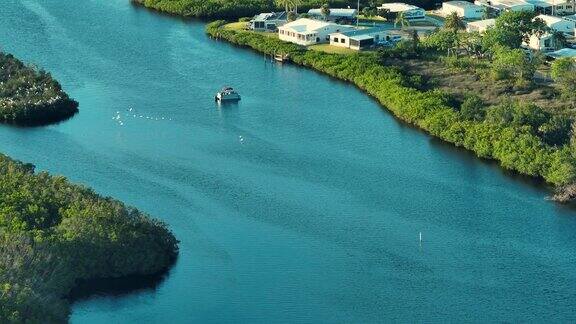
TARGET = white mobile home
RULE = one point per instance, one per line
(558, 24)
(306, 31)
(464, 9)
(359, 39)
(410, 12)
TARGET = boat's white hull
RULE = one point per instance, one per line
(227, 97)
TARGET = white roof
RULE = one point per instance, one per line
(512, 3)
(547, 3)
(361, 37)
(508, 3)
(550, 20)
(305, 25)
(398, 7)
(565, 52)
(270, 16)
(460, 4)
(334, 12)
(483, 23)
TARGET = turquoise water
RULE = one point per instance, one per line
(303, 203)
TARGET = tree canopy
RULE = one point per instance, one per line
(54, 233)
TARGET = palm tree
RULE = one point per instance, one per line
(284, 3)
(454, 22)
(289, 5)
(402, 20)
(295, 4)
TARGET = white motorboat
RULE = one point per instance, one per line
(227, 94)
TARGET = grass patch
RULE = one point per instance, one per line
(236, 26)
(243, 26)
(327, 48)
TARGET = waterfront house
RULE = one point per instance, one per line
(336, 15)
(360, 39)
(480, 25)
(410, 12)
(464, 9)
(268, 21)
(306, 31)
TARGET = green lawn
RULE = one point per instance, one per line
(237, 26)
(326, 48)
(243, 26)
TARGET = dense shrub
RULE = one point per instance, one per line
(472, 108)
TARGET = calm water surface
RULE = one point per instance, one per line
(303, 203)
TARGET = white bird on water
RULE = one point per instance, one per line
(241, 139)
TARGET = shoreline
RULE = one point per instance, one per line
(557, 160)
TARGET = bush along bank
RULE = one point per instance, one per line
(516, 147)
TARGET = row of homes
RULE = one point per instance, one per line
(307, 32)
(477, 9)
(336, 28)
(547, 7)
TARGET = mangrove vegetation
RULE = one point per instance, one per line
(29, 96)
(54, 233)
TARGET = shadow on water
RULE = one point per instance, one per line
(117, 287)
(469, 156)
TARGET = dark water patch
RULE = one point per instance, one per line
(116, 287)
